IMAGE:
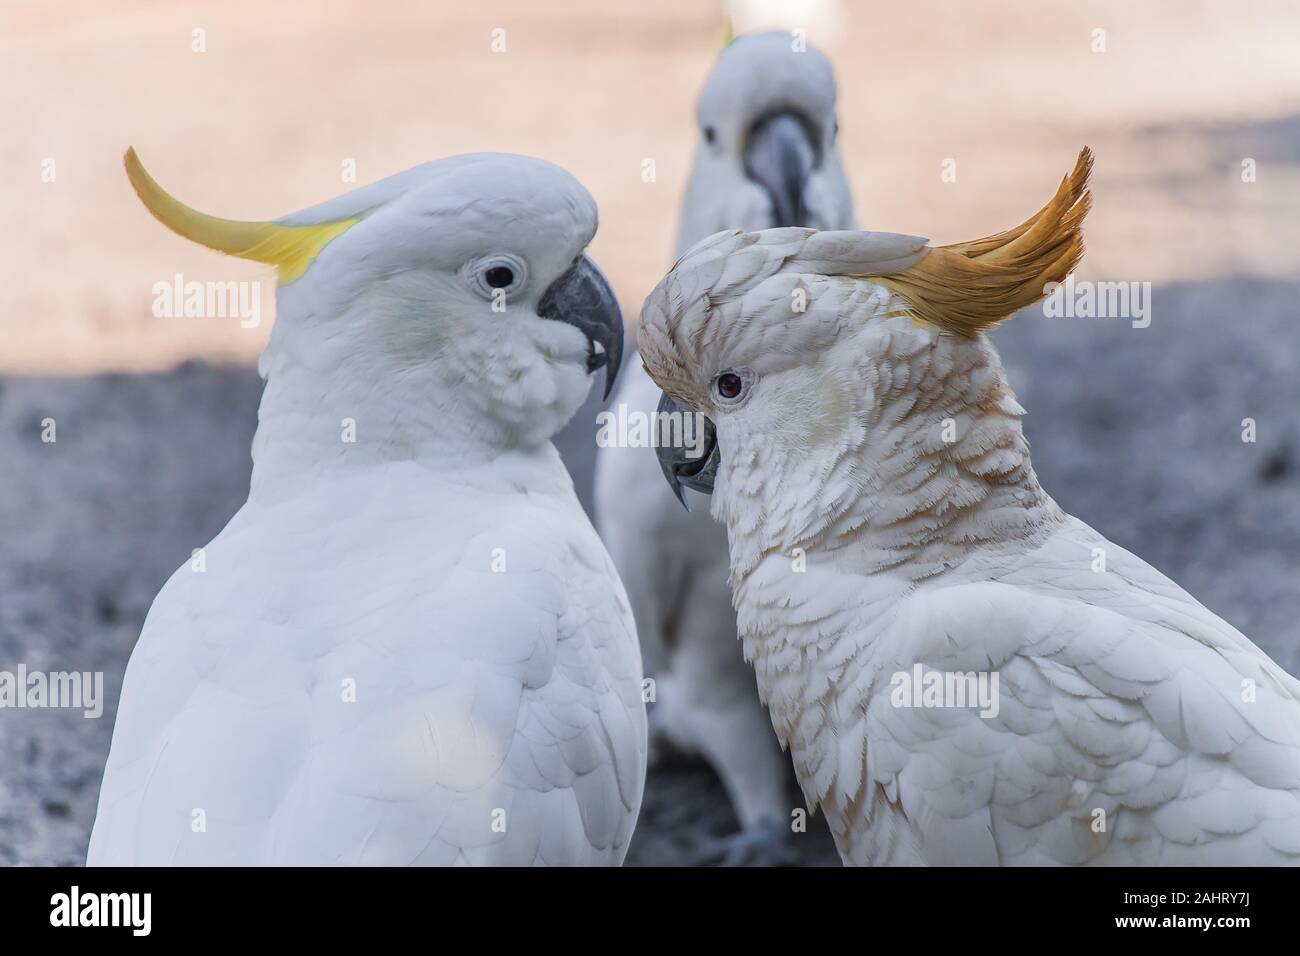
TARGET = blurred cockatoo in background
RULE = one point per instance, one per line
(408, 646)
(767, 156)
(963, 672)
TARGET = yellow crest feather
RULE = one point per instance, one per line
(968, 287)
(291, 249)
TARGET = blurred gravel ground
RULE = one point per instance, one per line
(1136, 431)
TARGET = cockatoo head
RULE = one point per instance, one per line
(459, 287)
(767, 154)
(795, 343)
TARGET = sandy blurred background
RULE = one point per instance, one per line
(1135, 431)
(287, 91)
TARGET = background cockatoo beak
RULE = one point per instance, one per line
(779, 156)
(582, 297)
(685, 467)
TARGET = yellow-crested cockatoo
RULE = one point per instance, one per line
(409, 645)
(766, 156)
(893, 557)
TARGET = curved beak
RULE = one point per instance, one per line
(582, 297)
(688, 464)
(779, 156)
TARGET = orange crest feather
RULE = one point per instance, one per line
(968, 287)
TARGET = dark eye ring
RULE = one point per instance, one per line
(709, 135)
(498, 277)
(730, 385)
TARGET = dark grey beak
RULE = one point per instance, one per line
(779, 156)
(583, 298)
(685, 466)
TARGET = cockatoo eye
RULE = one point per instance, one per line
(490, 276)
(498, 277)
(710, 135)
(731, 387)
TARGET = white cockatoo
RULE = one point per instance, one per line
(766, 156)
(409, 646)
(963, 672)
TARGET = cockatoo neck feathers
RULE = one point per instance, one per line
(968, 287)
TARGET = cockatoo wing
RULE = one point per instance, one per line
(1132, 726)
(464, 689)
